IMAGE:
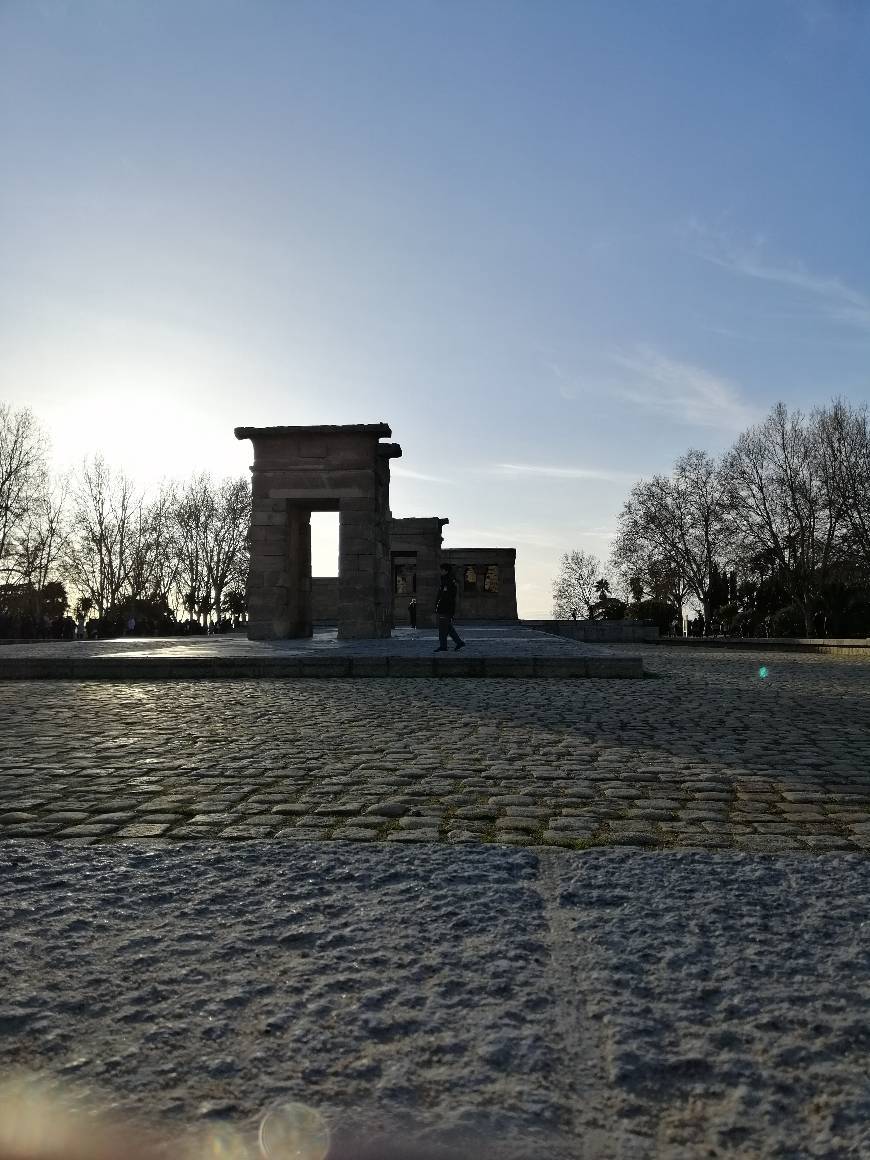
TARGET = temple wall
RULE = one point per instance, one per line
(415, 552)
(493, 593)
(324, 599)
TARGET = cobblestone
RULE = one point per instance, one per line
(706, 754)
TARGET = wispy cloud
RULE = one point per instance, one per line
(566, 386)
(501, 537)
(681, 391)
(407, 473)
(541, 472)
(841, 303)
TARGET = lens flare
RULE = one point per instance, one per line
(763, 672)
(218, 1142)
(294, 1132)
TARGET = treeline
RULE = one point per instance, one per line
(772, 538)
(92, 544)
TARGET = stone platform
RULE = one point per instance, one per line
(491, 651)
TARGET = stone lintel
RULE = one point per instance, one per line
(307, 493)
(381, 430)
(481, 553)
(403, 525)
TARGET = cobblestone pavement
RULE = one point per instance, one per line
(713, 753)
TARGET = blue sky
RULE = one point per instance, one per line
(552, 244)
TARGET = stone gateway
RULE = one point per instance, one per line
(298, 470)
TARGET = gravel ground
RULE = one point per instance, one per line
(615, 1003)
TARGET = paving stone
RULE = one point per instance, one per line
(559, 838)
(631, 826)
(413, 836)
(828, 842)
(92, 830)
(302, 834)
(143, 831)
(29, 830)
(633, 838)
(154, 817)
(571, 827)
(243, 832)
(389, 809)
(513, 825)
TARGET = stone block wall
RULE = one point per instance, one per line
(324, 599)
(486, 578)
(298, 470)
(615, 631)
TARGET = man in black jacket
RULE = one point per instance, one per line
(445, 610)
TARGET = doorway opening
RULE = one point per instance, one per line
(324, 543)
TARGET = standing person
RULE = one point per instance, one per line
(81, 634)
(445, 610)
(412, 612)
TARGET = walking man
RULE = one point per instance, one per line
(445, 610)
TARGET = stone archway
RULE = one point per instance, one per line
(298, 470)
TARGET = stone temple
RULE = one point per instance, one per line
(382, 562)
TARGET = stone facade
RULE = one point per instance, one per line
(487, 582)
(324, 599)
(298, 470)
(415, 554)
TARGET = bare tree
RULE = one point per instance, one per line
(23, 473)
(843, 435)
(211, 528)
(100, 553)
(226, 543)
(574, 591)
(646, 574)
(784, 501)
(190, 518)
(153, 563)
(40, 540)
(681, 520)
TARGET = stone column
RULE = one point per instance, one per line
(383, 561)
(279, 580)
(299, 571)
(362, 558)
(267, 575)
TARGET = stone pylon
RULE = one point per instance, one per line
(298, 470)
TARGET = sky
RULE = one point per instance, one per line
(554, 245)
